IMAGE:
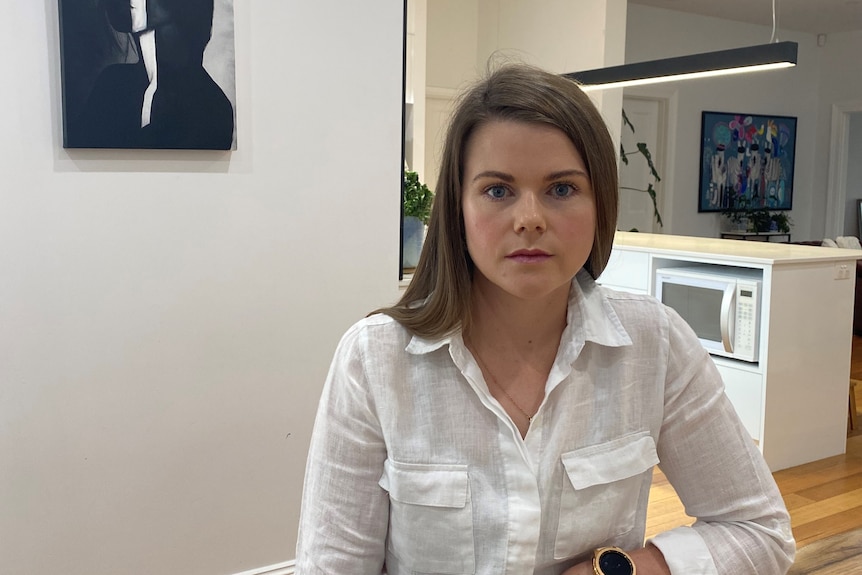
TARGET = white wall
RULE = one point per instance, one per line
(558, 35)
(167, 318)
(452, 43)
(655, 33)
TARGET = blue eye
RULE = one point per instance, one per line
(496, 192)
(562, 190)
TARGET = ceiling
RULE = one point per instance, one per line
(812, 16)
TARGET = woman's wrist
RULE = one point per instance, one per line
(648, 561)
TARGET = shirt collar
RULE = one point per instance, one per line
(592, 312)
(419, 345)
(590, 317)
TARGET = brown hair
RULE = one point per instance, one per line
(437, 301)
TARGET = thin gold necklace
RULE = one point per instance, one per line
(500, 387)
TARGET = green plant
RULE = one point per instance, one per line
(759, 217)
(782, 220)
(763, 220)
(417, 197)
(759, 220)
(643, 150)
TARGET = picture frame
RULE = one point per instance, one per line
(746, 162)
(133, 82)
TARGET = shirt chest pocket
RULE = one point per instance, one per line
(601, 488)
(430, 517)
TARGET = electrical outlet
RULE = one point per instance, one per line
(842, 271)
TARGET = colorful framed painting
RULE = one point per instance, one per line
(746, 162)
(148, 74)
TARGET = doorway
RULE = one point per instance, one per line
(846, 128)
(853, 188)
(649, 118)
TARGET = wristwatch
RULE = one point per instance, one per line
(612, 561)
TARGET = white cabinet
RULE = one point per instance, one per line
(793, 400)
(744, 388)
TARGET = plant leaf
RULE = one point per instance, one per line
(642, 148)
(623, 156)
(627, 122)
(651, 191)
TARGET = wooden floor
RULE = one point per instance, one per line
(824, 497)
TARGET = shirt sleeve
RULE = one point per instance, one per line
(345, 513)
(742, 524)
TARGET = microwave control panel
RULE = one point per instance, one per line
(747, 316)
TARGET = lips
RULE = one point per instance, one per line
(529, 256)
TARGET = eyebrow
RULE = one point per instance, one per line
(564, 173)
(492, 174)
(509, 178)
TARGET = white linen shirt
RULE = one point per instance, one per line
(414, 466)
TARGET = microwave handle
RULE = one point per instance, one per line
(727, 306)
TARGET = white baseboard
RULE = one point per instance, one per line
(286, 568)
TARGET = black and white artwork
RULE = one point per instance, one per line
(148, 74)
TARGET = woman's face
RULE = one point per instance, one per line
(529, 209)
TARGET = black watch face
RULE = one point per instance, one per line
(614, 563)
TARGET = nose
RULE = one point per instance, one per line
(529, 214)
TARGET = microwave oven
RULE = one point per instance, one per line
(720, 303)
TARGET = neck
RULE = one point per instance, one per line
(506, 322)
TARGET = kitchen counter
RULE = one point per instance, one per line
(751, 252)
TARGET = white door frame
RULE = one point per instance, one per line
(836, 191)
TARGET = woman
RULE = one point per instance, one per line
(506, 414)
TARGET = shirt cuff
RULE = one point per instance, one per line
(685, 552)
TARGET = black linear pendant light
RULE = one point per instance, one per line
(734, 61)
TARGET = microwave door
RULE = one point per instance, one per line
(728, 311)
